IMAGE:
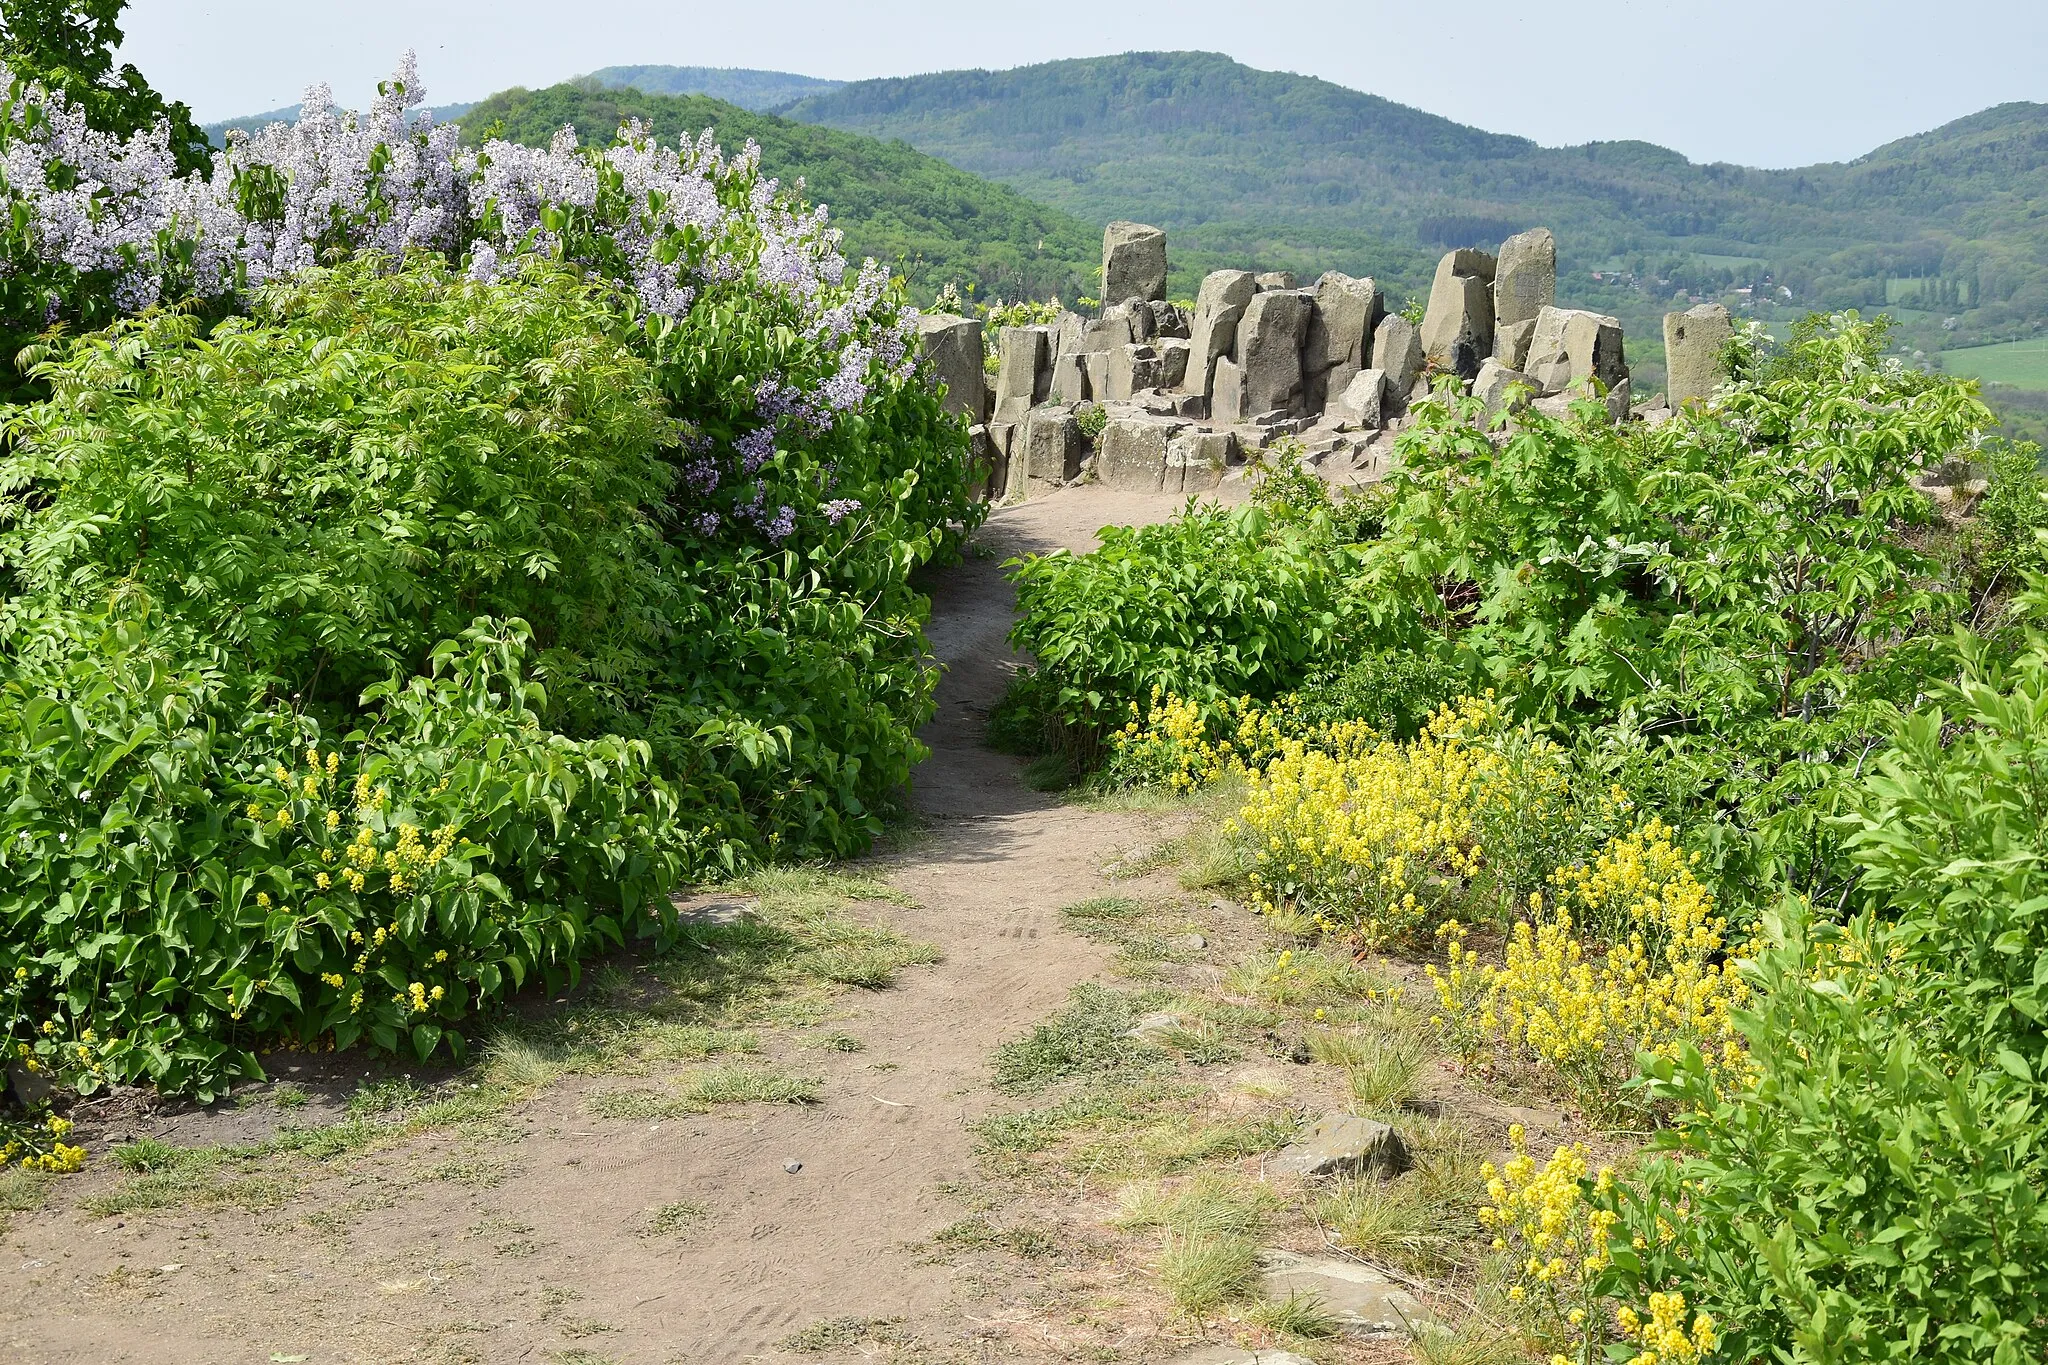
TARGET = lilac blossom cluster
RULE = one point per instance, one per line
(393, 181)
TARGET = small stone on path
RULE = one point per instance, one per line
(1344, 1144)
(792, 1166)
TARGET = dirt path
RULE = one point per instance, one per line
(528, 1250)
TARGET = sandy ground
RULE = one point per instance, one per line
(545, 1263)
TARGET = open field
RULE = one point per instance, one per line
(2022, 364)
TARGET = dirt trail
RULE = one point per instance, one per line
(545, 1264)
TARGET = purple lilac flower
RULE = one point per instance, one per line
(839, 509)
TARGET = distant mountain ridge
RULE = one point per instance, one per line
(1295, 171)
(743, 86)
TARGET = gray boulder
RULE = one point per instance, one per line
(1097, 363)
(1339, 340)
(1132, 368)
(1269, 341)
(1070, 378)
(1063, 333)
(1226, 393)
(1218, 307)
(1052, 447)
(1006, 479)
(1397, 350)
(1274, 279)
(1571, 346)
(1144, 321)
(1457, 329)
(1133, 452)
(1343, 1144)
(1502, 389)
(1364, 400)
(1106, 333)
(1524, 284)
(1023, 371)
(1511, 342)
(1693, 341)
(1133, 261)
(952, 352)
(1195, 460)
(1173, 361)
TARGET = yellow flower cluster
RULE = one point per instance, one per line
(1172, 746)
(1663, 1335)
(41, 1147)
(1541, 1215)
(1586, 1012)
(1369, 832)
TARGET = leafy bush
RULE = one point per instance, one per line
(1211, 605)
(1394, 691)
(1874, 1191)
(191, 868)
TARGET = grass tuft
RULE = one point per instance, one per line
(1297, 1315)
(1084, 1038)
(1205, 1273)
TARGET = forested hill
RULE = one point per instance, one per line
(933, 222)
(747, 88)
(1294, 171)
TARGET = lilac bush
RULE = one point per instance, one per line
(814, 470)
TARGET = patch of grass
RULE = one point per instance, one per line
(164, 1177)
(751, 1085)
(1205, 1273)
(1103, 918)
(1202, 1043)
(1297, 1315)
(842, 1042)
(672, 1220)
(1034, 1130)
(1383, 1075)
(735, 1084)
(475, 1171)
(981, 1234)
(22, 1192)
(1475, 1341)
(838, 1333)
(1084, 1038)
(1053, 772)
(289, 1097)
(1304, 977)
(1388, 1221)
(1210, 1204)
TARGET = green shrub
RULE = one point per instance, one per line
(1394, 691)
(189, 870)
(1213, 604)
(1876, 1193)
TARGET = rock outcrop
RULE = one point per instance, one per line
(952, 348)
(1133, 262)
(1693, 344)
(1457, 329)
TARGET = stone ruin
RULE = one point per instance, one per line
(1188, 396)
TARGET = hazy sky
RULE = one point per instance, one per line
(1763, 82)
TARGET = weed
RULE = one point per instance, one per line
(842, 1042)
(980, 1234)
(733, 1084)
(1103, 918)
(289, 1097)
(1475, 1341)
(1086, 1037)
(1303, 977)
(836, 1333)
(671, 1220)
(1202, 1273)
(1202, 1043)
(1034, 1130)
(22, 1191)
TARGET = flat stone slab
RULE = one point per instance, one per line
(1155, 1028)
(1239, 1355)
(1343, 1144)
(1363, 1301)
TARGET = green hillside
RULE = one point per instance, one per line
(747, 88)
(933, 222)
(1293, 171)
